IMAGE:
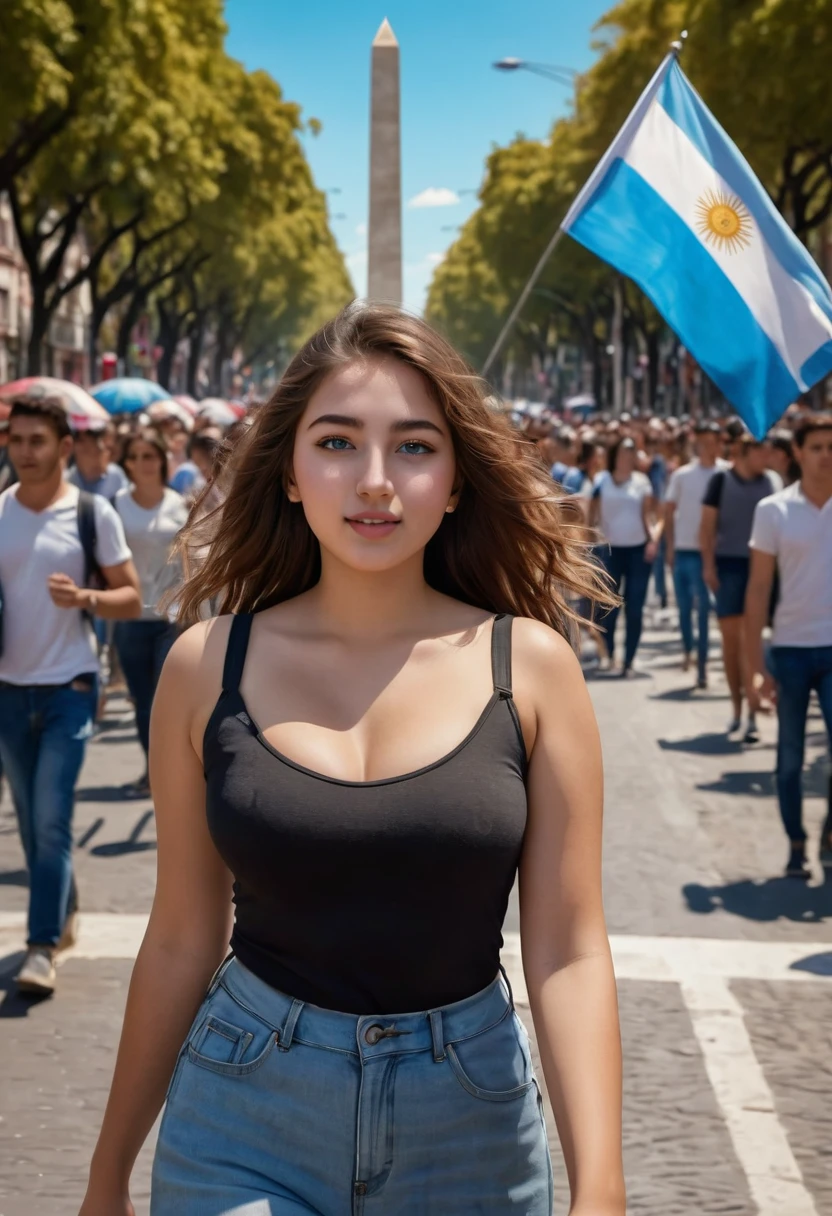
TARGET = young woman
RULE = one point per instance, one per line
(153, 516)
(367, 749)
(625, 509)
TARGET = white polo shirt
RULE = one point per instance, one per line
(686, 490)
(799, 535)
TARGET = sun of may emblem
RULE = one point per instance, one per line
(724, 221)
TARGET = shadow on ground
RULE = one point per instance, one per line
(770, 900)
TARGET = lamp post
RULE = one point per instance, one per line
(551, 71)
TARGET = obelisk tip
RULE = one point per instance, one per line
(385, 35)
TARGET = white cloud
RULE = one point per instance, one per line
(434, 259)
(361, 230)
(357, 260)
(434, 196)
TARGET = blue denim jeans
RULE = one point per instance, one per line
(276, 1106)
(690, 588)
(43, 736)
(142, 649)
(625, 565)
(798, 670)
(660, 573)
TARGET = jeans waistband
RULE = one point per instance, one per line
(367, 1035)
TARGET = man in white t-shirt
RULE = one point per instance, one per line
(683, 516)
(792, 532)
(49, 663)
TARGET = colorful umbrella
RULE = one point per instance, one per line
(128, 395)
(77, 402)
(160, 411)
(218, 411)
(190, 403)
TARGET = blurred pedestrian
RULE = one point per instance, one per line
(683, 519)
(793, 533)
(191, 478)
(724, 535)
(94, 470)
(153, 515)
(53, 538)
(624, 508)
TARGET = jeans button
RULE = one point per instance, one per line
(372, 1034)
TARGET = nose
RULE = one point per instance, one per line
(374, 481)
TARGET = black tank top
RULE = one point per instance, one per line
(369, 896)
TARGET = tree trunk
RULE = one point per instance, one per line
(99, 312)
(170, 325)
(38, 329)
(125, 329)
(196, 335)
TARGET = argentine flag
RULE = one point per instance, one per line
(675, 206)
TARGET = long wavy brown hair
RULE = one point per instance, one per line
(514, 544)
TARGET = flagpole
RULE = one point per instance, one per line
(518, 307)
(675, 49)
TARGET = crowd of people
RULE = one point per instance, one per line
(103, 503)
(745, 528)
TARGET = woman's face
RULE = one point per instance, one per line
(176, 436)
(625, 462)
(144, 466)
(372, 442)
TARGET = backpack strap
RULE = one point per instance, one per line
(501, 653)
(235, 651)
(87, 535)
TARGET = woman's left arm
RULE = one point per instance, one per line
(653, 525)
(566, 954)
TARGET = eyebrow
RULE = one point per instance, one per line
(406, 424)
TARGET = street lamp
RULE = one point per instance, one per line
(551, 71)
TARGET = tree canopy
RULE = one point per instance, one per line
(127, 126)
(761, 66)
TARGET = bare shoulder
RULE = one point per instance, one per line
(549, 687)
(192, 675)
(540, 652)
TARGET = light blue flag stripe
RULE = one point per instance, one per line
(629, 225)
(687, 109)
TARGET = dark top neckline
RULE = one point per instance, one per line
(235, 658)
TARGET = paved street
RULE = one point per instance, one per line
(725, 969)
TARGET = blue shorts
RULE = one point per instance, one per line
(732, 573)
(277, 1106)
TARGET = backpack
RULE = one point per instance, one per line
(93, 576)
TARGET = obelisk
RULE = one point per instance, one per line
(384, 272)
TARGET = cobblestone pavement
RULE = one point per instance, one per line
(725, 968)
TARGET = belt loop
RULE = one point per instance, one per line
(287, 1033)
(508, 985)
(435, 1016)
(219, 973)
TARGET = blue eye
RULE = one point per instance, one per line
(334, 439)
(416, 443)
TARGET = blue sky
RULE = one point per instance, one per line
(454, 105)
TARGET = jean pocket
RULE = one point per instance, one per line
(233, 1049)
(494, 1065)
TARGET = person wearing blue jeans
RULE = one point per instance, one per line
(153, 515)
(142, 649)
(691, 590)
(792, 534)
(624, 507)
(43, 735)
(627, 567)
(49, 663)
(798, 671)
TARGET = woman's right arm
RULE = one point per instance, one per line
(188, 932)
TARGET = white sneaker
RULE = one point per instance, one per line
(37, 975)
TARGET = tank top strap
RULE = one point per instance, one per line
(235, 652)
(501, 653)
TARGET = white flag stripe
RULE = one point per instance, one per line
(664, 156)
